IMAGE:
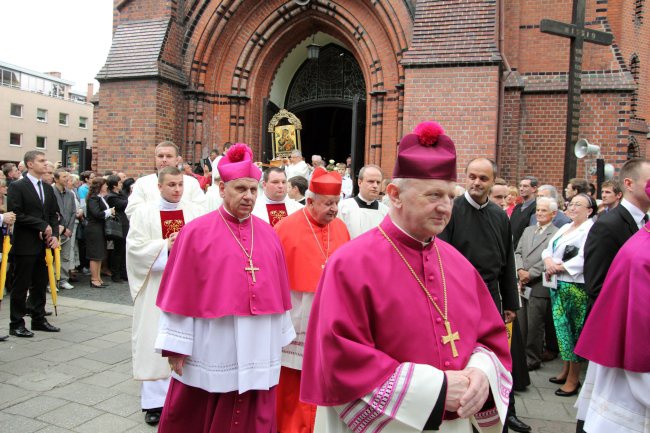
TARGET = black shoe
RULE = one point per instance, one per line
(116, 279)
(534, 366)
(48, 313)
(152, 416)
(73, 279)
(21, 331)
(97, 286)
(561, 393)
(517, 425)
(44, 326)
(557, 381)
(4, 337)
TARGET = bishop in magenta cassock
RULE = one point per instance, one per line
(403, 334)
(273, 205)
(615, 397)
(225, 307)
(308, 237)
(153, 229)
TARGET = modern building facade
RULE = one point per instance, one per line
(40, 112)
(201, 73)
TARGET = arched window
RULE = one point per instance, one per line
(633, 150)
(635, 70)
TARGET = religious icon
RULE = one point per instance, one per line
(285, 138)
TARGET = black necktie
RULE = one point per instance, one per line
(40, 191)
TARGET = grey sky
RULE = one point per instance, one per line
(68, 36)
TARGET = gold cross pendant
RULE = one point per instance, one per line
(450, 338)
(251, 268)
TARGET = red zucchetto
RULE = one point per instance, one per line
(325, 183)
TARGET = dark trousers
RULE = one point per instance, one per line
(30, 273)
(117, 262)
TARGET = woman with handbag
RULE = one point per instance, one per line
(564, 261)
(98, 212)
(117, 200)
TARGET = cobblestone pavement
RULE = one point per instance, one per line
(79, 380)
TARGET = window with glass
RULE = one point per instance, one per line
(83, 122)
(15, 139)
(9, 78)
(63, 119)
(41, 115)
(41, 142)
(16, 110)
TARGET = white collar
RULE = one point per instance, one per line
(637, 214)
(34, 180)
(240, 219)
(269, 201)
(424, 244)
(166, 205)
(474, 204)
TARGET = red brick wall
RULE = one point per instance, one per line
(462, 100)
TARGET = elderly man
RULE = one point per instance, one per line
(225, 282)
(308, 237)
(145, 189)
(48, 176)
(297, 166)
(535, 317)
(317, 161)
(274, 205)
(152, 232)
(428, 354)
(365, 211)
(67, 218)
(549, 191)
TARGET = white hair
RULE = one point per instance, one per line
(297, 153)
(552, 203)
(549, 188)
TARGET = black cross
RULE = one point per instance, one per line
(579, 35)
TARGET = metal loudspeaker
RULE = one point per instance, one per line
(609, 171)
(584, 148)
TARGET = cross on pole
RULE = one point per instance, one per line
(578, 34)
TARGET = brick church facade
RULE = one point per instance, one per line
(204, 72)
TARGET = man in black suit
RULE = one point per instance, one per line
(614, 228)
(36, 228)
(523, 212)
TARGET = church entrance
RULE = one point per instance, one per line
(327, 94)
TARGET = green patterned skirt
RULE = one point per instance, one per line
(569, 302)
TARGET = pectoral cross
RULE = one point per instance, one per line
(450, 338)
(251, 268)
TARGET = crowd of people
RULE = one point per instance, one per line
(274, 299)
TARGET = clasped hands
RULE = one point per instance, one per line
(176, 363)
(467, 391)
(51, 241)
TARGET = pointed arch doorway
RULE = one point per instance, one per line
(328, 95)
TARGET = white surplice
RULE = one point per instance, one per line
(145, 190)
(404, 402)
(360, 220)
(299, 169)
(231, 353)
(293, 353)
(146, 257)
(613, 400)
(213, 198)
(260, 210)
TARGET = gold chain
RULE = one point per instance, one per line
(408, 265)
(248, 256)
(325, 256)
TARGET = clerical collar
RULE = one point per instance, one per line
(474, 204)
(424, 244)
(234, 217)
(365, 204)
(637, 214)
(167, 205)
(269, 201)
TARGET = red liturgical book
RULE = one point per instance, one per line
(276, 212)
(172, 221)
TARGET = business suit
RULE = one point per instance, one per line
(535, 316)
(606, 237)
(521, 218)
(33, 216)
(67, 217)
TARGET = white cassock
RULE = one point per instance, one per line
(613, 400)
(146, 257)
(299, 169)
(346, 187)
(359, 215)
(145, 190)
(260, 210)
(246, 357)
(404, 402)
(213, 198)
